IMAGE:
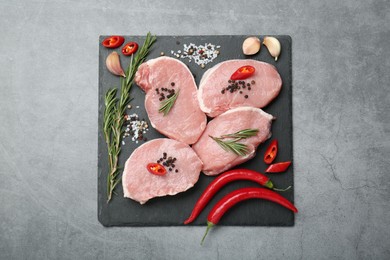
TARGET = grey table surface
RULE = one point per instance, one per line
(48, 129)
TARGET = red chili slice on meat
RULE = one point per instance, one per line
(130, 48)
(113, 41)
(243, 72)
(271, 152)
(156, 168)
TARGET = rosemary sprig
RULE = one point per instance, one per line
(113, 117)
(242, 134)
(233, 145)
(166, 105)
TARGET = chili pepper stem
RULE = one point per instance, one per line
(269, 184)
(209, 226)
(286, 189)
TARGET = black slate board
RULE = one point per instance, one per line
(173, 210)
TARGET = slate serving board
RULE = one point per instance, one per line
(173, 210)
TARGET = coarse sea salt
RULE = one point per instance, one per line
(200, 54)
(135, 128)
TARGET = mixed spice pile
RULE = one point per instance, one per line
(200, 54)
(135, 128)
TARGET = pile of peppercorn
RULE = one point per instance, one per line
(238, 85)
(170, 92)
(168, 162)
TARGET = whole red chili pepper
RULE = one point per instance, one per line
(239, 195)
(222, 180)
(278, 167)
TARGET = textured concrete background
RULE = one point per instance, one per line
(48, 129)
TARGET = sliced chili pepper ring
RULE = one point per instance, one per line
(156, 169)
(130, 48)
(113, 41)
(243, 72)
(271, 152)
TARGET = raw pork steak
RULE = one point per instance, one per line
(264, 86)
(185, 122)
(215, 159)
(141, 185)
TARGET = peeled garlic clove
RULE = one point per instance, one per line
(251, 45)
(114, 65)
(273, 46)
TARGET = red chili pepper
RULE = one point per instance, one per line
(239, 195)
(130, 48)
(243, 73)
(113, 41)
(278, 167)
(271, 152)
(221, 181)
(156, 168)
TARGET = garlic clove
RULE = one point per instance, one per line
(273, 46)
(251, 45)
(114, 65)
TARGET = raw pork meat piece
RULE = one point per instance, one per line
(266, 86)
(141, 185)
(215, 159)
(185, 122)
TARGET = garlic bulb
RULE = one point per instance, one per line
(273, 46)
(114, 65)
(251, 46)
